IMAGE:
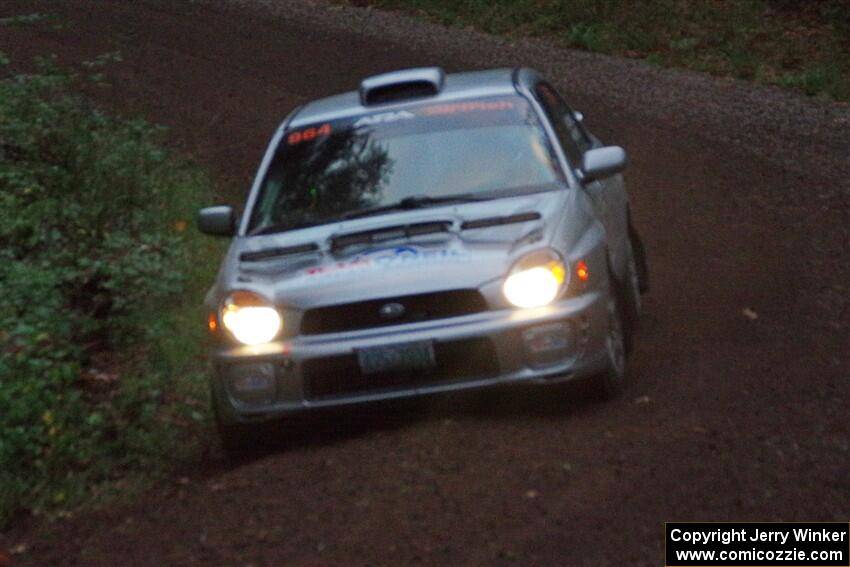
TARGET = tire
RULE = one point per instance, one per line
(611, 382)
(629, 297)
(239, 440)
(639, 252)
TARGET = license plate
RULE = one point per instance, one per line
(395, 358)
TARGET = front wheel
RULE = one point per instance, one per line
(239, 440)
(629, 297)
(611, 382)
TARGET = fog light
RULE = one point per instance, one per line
(253, 382)
(548, 344)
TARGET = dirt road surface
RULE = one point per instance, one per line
(738, 409)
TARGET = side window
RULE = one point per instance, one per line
(570, 133)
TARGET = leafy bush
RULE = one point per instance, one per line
(98, 373)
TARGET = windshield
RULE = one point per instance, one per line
(479, 148)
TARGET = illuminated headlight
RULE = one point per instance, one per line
(250, 318)
(535, 280)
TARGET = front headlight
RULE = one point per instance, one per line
(249, 318)
(536, 279)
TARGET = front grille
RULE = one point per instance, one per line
(456, 361)
(366, 314)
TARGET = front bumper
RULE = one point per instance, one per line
(473, 351)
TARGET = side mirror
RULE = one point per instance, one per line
(217, 221)
(603, 162)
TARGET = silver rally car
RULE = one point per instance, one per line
(426, 233)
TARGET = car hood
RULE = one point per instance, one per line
(401, 253)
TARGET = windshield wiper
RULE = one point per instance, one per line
(413, 202)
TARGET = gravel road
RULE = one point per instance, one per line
(742, 194)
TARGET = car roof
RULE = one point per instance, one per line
(456, 86)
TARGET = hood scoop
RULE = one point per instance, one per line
(386, 234)
(498, 221)
(268, 253)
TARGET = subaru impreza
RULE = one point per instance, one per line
(426, 233)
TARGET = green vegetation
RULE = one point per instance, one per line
(101, 372)
(803, 45)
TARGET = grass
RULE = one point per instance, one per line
(799, 45)
(102, 379)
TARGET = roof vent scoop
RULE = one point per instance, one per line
(401, 85)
